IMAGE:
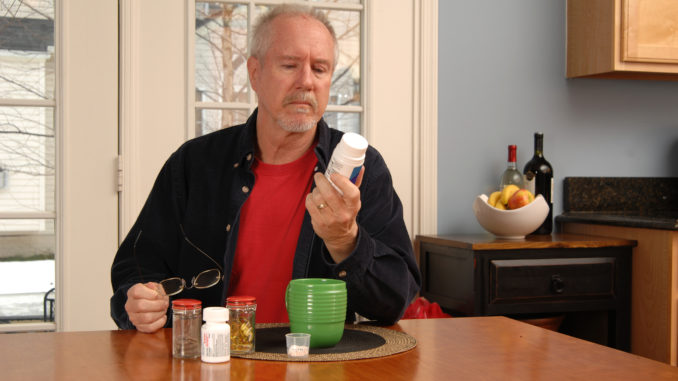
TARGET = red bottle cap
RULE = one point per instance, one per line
(512, 153)
(241, 300)
(186, 304)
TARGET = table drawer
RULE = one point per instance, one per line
(526, 280)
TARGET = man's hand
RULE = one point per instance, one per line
(147, 306)
(333, 216)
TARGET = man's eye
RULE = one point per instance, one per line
(319, 70)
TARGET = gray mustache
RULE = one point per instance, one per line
(301, 97)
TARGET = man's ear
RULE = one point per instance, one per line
(253, 68)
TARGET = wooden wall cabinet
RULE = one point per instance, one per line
(632, 39)
(654, 290)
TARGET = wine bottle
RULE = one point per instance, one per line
(511, 175)
(539, 180)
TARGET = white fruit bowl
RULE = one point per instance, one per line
(510, 224)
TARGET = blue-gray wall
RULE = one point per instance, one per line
(502, 77)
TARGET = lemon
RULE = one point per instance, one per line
(493, 198)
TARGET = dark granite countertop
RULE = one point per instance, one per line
(621, 219)
(643, 202)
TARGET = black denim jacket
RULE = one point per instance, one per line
(198, 195)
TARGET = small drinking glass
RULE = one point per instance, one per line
(298, 344)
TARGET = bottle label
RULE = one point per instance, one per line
(354, 174)
(216, 345)
(551, 191)
(337, 166)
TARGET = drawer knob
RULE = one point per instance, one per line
(557, 284)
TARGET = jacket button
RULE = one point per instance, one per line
(249, 156)
(236, 165)
(228, 227)
(245, 189)
(342, 274)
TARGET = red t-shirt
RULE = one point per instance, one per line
(270, 222)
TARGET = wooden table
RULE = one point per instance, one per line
(474, 348)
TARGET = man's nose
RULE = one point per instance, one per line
(305, 77)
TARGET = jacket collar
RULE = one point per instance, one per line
(324, 147)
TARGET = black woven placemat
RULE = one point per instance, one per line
(358, 342)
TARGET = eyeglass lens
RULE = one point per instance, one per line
(172, 286)
(205, 279)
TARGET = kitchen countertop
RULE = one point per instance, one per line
(482, 242)
(643, 202)
(621, 219)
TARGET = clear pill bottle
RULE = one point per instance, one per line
(186, 321)
(242, 318)
(348, 157)
(216, 335)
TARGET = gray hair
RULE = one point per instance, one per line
(261, 33)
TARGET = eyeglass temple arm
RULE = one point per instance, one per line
(199, 250)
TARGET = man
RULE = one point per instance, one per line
(251, 204)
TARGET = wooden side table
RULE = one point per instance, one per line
(586, 278)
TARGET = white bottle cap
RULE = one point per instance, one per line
(215, 314)
(354, 146)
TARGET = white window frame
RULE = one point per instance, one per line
(425, 185)
(87, 146)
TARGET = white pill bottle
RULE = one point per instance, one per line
(348, 157)
(216, 335)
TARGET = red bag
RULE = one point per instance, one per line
(423, 309)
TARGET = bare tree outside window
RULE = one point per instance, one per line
(221, 61)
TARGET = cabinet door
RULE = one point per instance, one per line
(650, 31)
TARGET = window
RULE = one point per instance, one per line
(223, 96)
(27, 160)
